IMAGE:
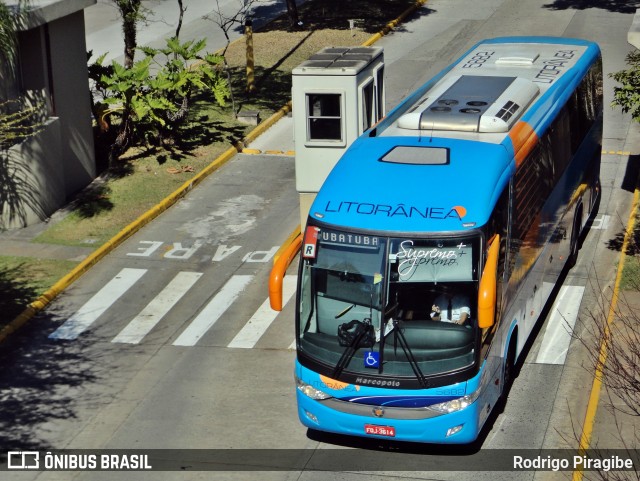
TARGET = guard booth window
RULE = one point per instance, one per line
(324, 116)
(380, 91)
(367, 106)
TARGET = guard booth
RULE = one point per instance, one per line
(337, 95)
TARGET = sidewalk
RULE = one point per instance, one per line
(19, 242)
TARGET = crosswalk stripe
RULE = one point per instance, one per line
(142, 324)
(100, 302)
(557, 336)
(262, 319)
(212, 311)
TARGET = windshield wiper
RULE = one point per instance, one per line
(399, 338)
(353, 335)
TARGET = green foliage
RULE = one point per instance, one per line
(151, 99)
(11, 18)
(627, 97)
(9, 21)
(17, 123)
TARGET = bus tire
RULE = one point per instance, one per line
(509, 367)
(575, 239)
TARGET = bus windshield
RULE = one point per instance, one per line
(388, 306)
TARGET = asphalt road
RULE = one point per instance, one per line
(165, 344)
(104, 26)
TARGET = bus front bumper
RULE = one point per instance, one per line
(458, 427)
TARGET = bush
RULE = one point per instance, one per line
(627, 97)
(138, 106)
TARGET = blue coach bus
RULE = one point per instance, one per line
(435, 242)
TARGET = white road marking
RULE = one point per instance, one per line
(212, 311)
(253, 330)
(142, 324)
(600, 222)
(99, 303)
(557, 336)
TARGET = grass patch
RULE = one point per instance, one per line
(630, 280)
(23, 279)
(106, 208)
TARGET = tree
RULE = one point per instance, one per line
(7, 36)
(181, 9)
(226, 21)
(131, 12)
(11, 18)
(294, 18)
(627, 97)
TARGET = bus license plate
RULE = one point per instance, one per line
(380, 430)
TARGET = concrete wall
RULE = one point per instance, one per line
(31, 181)
(71, 99)
(59, 161)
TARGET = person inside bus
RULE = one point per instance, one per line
(451, 308)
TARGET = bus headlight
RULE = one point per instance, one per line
(456, 404)
(310, 391)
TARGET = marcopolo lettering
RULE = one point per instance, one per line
(363, 381)
(399, 210)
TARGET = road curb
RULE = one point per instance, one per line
(44, 299)
(266, 124)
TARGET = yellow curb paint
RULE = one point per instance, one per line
(251, 151)
(616, 152)
(263, 126)
(273, 152)
(596, 387)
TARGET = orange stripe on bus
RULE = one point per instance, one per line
(524, 139)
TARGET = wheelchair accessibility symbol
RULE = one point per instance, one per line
(371, 359)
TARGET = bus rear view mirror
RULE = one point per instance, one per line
(488, 287)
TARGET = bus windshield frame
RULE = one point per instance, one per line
(353, 284)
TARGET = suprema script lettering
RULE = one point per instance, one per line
(412, 257)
